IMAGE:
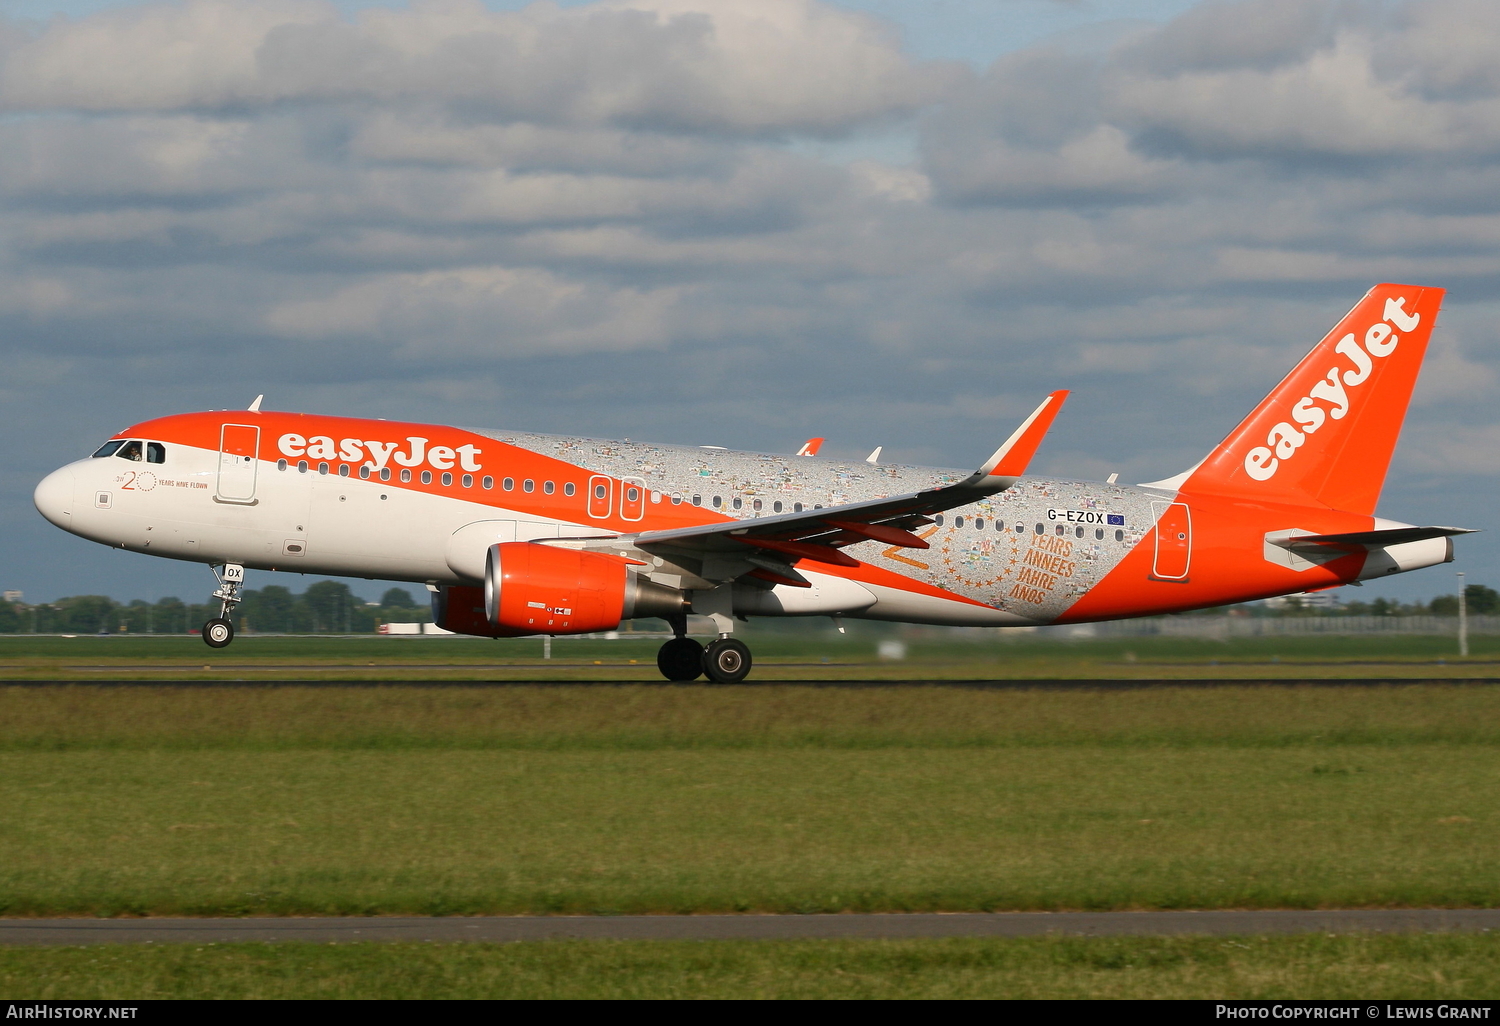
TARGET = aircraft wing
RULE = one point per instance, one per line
(767, 547)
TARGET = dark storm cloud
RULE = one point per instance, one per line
(598, 219)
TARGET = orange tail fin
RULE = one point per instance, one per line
(1325, 435)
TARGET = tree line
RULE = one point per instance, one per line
(1480, 600)
(330, 607)
(327, 606)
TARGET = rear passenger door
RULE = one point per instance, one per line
(1174, 541)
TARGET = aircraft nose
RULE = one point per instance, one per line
(54, 497)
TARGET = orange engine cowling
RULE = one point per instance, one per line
(542, 589)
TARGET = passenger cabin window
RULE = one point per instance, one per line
(569, 488)
(447, 479)
(1119, 536)
(108, 448)
(427, 477)
(156, 452)
(131, 451)
(938, 520)
(405, 477)
(548, 487)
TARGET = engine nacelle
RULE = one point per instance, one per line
(544, 589)
(460, 608)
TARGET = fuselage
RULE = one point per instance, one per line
(423, 503)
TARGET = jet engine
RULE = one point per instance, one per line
(543, 589)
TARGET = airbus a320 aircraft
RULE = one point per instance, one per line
(526, 534)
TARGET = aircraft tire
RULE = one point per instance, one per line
(726, 661)
(680, 659)
(218, 632)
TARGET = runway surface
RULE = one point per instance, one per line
(744, 927)
(1045, 684)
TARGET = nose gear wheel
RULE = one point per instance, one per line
(218, 632)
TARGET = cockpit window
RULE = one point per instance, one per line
(108, 448)
(131, 450)
(156, 452)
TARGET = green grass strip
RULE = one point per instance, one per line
(1361, 967)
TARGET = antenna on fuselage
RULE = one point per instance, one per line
(255, 406)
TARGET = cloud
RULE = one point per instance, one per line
(485, 311)
(682, 65)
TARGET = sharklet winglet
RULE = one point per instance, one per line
(1012, 458)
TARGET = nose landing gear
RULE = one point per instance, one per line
(219, 632)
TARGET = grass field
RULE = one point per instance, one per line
(306, 800)
(779, 655)
(1362, 968)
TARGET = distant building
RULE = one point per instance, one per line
(1305, 600)
(13, 596)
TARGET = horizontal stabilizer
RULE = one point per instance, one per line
(1380, 539)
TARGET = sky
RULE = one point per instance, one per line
(739, 223)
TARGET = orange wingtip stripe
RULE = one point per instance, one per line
(1016, 455)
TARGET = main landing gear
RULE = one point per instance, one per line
(725, 661)
(219, 632)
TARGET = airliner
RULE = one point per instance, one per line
(519, 534)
